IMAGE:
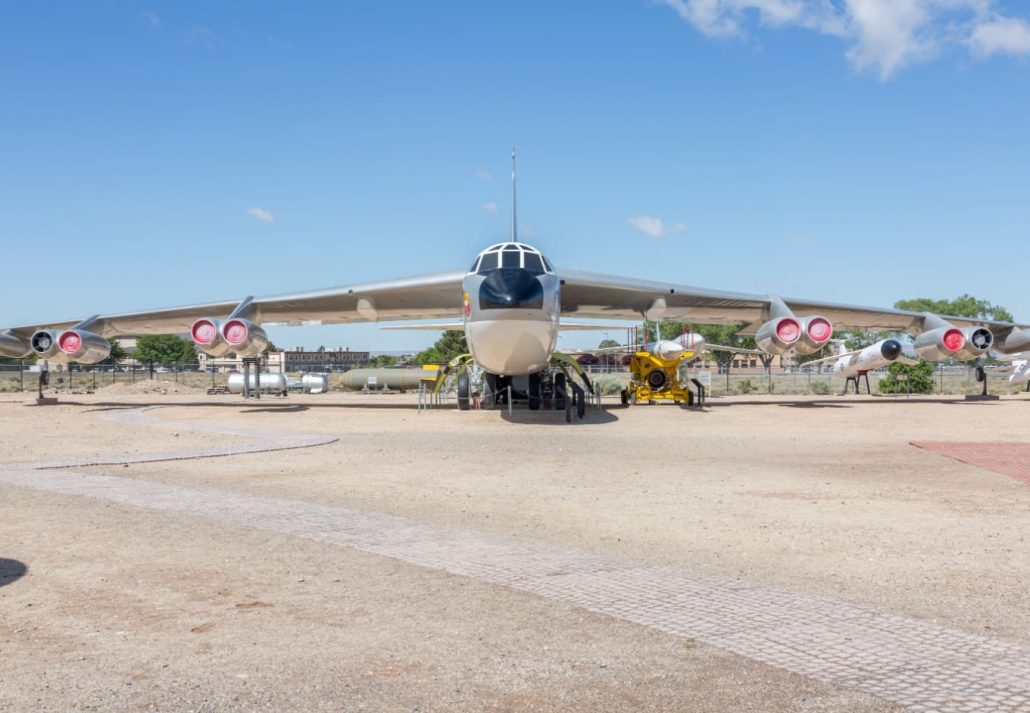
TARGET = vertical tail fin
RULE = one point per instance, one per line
(514, 223)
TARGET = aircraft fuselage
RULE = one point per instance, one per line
(512, 307)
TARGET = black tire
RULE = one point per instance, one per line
(624, 395)
(534, 392)
(581, 408)
(560, 387)
(464, 391)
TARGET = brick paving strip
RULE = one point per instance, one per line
(1012, 459)
(910, 662)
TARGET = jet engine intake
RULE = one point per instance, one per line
(12, 347)
(939, 344)
(82, 346)
(44, 344)
(207, 335)
(244, 337)
(815, 333)
(778, 335)
(979, 340)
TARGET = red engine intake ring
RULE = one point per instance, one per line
(953, 340)
(820, 330)
(788, 330)
(69, 342)
(235, 332)
(204, 331)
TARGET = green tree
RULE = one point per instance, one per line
(918, 379)
(270, 348)
(450, 344)
(381, 360)
(117, 353)
(608, 344)
(164, 349)
(963, 306)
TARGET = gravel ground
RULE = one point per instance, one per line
(125, 609)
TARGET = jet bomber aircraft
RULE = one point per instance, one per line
(511, 302)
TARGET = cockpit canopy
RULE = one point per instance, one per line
(509, 255)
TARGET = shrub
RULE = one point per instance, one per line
(608, 385)
(920, 379)
(820, 388)
(745, 387)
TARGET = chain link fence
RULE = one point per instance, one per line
(948, 379)
(24, 376)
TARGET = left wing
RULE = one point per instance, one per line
(432, 296)
(587, 294)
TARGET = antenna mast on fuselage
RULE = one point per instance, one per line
(514, 224)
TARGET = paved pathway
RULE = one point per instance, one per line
(914, 663)
(1012, 459)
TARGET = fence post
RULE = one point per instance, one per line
(21, 374)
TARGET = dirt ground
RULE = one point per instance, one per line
(130, 609)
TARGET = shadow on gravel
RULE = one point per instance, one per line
(844, 402)
(291, 408)
(557, 418)
(11, 570)
(269, 407)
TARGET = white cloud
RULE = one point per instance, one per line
(152, 19)
(261, 214)
(490, 207)
(654, 227)
(1001, 35)
(482, 175)
(882, 36)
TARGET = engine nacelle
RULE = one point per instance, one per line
(82, 346)
(815, 333)
(979, 340)
(778, 335)
(940, 344)
(44, 344)
(244, 337)
(207, 336)
(12, 347)
(1017, 341)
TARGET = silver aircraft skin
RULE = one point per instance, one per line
(511, 303)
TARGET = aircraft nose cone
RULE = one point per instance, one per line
(512, 288)
(890, 349)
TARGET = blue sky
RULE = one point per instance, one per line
(863, 151)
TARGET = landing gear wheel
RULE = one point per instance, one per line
(624, 396)
(534, 392)
(464, 391)
(559, 389)
(581, 408)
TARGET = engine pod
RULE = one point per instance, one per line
(13, 347)
(939, 344)
(207, 336)
(81, 346)
(244, 337)
(979, 340)
(778, 335)
(815, 334)
(44, 344)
